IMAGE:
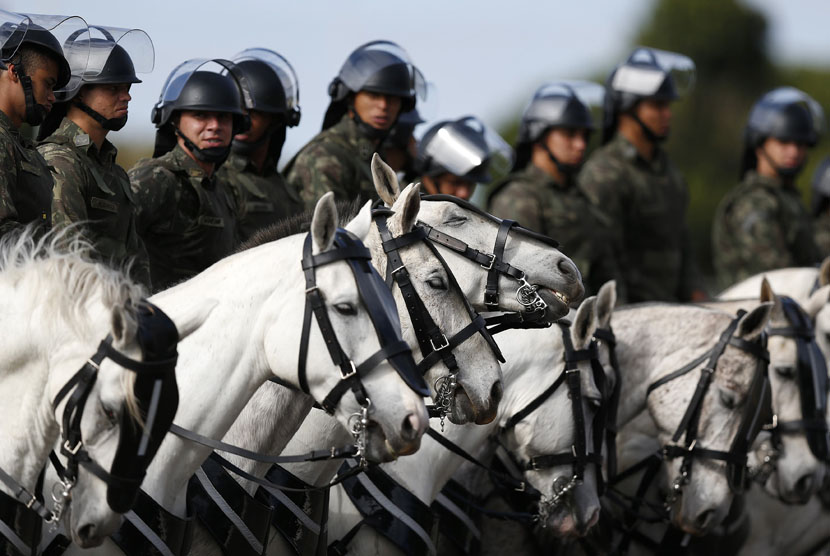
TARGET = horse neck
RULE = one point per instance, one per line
(648, 337)
(223, 362)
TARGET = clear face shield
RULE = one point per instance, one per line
(553, 105)
(374, 57)
(71, 32)
(784, 96)
(178, 78)
(462, 148)
(646, 70)
(283, 69)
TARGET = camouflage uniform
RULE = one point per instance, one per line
(185, 217)
(260, 200)
(646, 203)
(761, 225)
(338, 159)
(91, 188)
(534, 199)
(821, 226)
(25, 181)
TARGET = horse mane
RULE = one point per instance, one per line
(60, 263)
(299, 223)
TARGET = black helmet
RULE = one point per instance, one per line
(379, 67)
(402, 130)
(272, 81)
(648, 73)
(55, 35)
(190, 88)
(565, 104)
(821, 187)
(787, 114)
(115, 56)
(465, 147)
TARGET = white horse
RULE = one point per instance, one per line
(254, 333)
(57, 307)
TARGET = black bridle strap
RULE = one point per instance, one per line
(607, 335)
(534, 405)
(478, 325)
(491, 290)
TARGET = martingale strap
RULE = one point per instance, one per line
(150, 529)
(20, 526)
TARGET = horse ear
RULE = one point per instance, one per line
(121, 325)
(407, 208)
(361, 223)
(817, 301)
(386, 181)
(585, 323)
(824, 273)
(324, 223)
(194, 316)
(606, 300)
(753, 323)
(767, 295)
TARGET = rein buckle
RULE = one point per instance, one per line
(771, 426)
(73, 450)
(521, 488)
(490, 264)
(350, 373)
(445, 343)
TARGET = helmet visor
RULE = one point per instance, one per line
(784, 96)
(462, 146)
(283, 69)
(646, 70)
(72, 34)
(177, 79)
(551, 102)
(376, 56)
(13, 27)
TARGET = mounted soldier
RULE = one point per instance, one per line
(90, 187)
(34, 68)
(820, 206)
(762, 224)
(376, 84)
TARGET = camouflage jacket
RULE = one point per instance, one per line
(91, 188)
(532, 197)
(185, 217)
(646, 203)
(25, 181)
(821, 226)
(338, 159)
(260, 200)
(761, 225)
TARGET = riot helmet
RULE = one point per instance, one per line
(53, 35)
(787, 114)
(466, 148)
(560, 104)
(116, 56)
(190, 86)
(648, 73)
(274, 90)
(821, 187)
(380, 67)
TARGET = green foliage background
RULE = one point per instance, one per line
(729, 44)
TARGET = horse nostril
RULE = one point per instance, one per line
(804, 487)
(86, 532)
(496, 392)
(566, 267)
(411, 428)
(703, 520)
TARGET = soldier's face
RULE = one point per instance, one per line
(110, 100)
(449, 184)
(378, 110)
(44, 78)
(206, 129)
(782, 154)
(656, 115)
(260, 122)
(567, 145)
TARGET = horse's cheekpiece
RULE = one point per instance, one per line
(157, 398)
(812, 383)
(383, 313)
(434, 344)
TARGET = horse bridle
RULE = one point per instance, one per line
(578, 456)
(494, 262)
(432, 341)
(350, 249)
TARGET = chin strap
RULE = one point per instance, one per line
(368, 131)
(785, 173)
(567, 170)
(647, 131)
(215, 155)
(110, 124)
(35, 113)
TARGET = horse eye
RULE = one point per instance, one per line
(346, 309)
(595, 403)
(456, 220)
(728, 399)
(110, 414)
(827, 337)
(437, 283)
(785, 372)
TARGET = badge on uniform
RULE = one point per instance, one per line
(81, 140)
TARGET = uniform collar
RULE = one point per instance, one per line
(754, 178)
(184, 160)
(629, 152)
(347, 128)
(242, 163)
(81, 141)
(536, 174)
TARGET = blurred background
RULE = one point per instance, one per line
(486, 58)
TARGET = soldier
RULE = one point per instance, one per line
(762, 224)
(454, 156)
(90, 188)
(186, 215)
(375, 85)
(260, 192)
(821, 207)
(541, 191)
(34, 67)
(400, 147)
(631, 179)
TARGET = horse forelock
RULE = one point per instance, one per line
(299, 223)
